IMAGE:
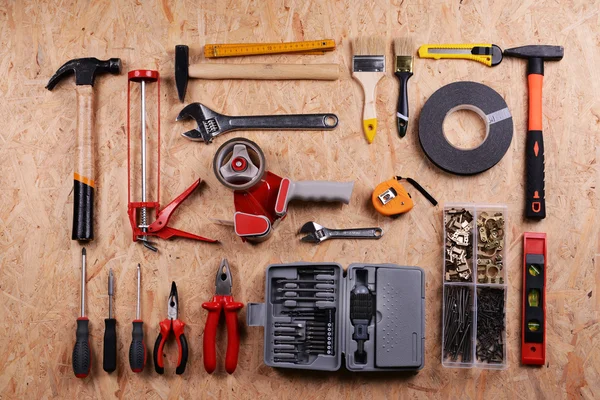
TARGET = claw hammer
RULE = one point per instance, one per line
(535, 202)
(85, 70)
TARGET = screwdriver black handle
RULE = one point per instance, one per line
(82, 356)
(109, 362)
(137, 350)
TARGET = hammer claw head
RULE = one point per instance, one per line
(85, 70)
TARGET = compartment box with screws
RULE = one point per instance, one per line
(475, 286)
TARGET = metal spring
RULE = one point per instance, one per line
(143, 218)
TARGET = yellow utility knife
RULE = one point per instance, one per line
(485, 53)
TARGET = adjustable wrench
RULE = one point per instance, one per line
(211, 124)
(317, 233)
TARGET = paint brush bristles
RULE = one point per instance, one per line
(369, 45)
(403, 50)
(404, 46)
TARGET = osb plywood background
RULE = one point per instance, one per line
(40, 268)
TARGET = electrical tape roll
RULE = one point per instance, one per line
(472, 96)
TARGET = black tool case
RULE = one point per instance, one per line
(309, 321)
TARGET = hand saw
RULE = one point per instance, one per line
(488, 54)
(252, 49)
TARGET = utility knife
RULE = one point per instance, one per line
(488, 54)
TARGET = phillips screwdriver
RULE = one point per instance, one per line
(110, 332)
(82, 356)
(137, 350)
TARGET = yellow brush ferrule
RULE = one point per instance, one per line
(370, 129)
(424, 52)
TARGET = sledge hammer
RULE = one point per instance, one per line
(184, 71)
(535, 203)
(85, 70)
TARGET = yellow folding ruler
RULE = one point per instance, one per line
(251, 49)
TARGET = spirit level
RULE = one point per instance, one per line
(533, 330)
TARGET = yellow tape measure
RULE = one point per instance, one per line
(251, 49)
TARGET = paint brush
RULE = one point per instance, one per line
(368, 67)
(403, 69)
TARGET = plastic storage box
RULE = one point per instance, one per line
(314, 313)
(475, 286)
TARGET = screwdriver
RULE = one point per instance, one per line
(82, 357)
(137, 350)
(110, 332)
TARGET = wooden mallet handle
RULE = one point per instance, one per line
(326, 72)
(84, 185)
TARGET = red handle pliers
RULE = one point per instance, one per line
(171, 324)
(222, 300)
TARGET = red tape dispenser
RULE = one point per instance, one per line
(261, 197)
(139, 211)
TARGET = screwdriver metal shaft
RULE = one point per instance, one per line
(82, 357)
(137, 349)
(109, 362)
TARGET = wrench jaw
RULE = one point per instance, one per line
(315, 233)
(209, 122)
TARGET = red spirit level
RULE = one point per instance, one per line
(533, 330)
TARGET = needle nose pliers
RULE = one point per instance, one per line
(222, 300)
(171, 324)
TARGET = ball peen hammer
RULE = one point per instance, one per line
(535, 203)
(184, 71)
(85, 70)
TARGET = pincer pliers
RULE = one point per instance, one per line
(222, 300)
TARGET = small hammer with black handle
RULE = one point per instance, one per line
(535, 201)
(85, 70)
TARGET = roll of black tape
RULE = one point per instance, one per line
(472, 96)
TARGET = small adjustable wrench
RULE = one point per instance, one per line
(317, 233)
(211, 124)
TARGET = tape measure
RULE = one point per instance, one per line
(391, 199)
(253, 49)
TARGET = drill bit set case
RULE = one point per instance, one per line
(373, 314)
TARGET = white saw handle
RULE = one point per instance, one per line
(312, 191)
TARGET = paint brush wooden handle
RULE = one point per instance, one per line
(368, 81)
(326, 72)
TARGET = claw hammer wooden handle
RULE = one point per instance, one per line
(83, 182)
(327, 72)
